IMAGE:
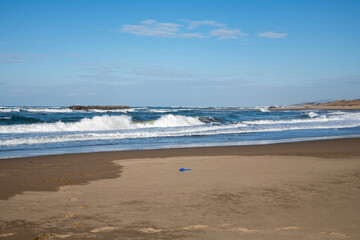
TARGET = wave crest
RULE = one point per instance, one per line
(311, 114)
(103, 123)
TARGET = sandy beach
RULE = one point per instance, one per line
(305, 190)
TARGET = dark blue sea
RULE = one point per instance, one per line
(34, 131)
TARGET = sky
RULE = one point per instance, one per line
(178, 52)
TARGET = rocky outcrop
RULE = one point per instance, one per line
(80, 107)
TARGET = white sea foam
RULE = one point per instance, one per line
(167, 110)
(322, 118)
(263, 109)
(6, 110)
(175, 121)
(103, 123)
(149, 133)
(112, 110)
(123, 127)
(108, 123)
(49, 110)
(311, 114)
(5, 117)
(162, 110)
(345, 119)
(35, 110)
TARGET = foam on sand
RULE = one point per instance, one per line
(103, 229)
(150, 230)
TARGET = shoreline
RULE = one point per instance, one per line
(276, 191)
(178, 151)
(230, 144)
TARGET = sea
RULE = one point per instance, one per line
(35, 131)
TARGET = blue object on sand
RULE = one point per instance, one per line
(183, 169)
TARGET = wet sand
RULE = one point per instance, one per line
(305, 190)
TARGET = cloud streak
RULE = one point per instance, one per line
(153, 28)
(196, 24)
(353, 80)
(160, 72)
(227, 33)
(20, 58)
(12, 58)
(192, 35)
(150, 75)
(272, 34)
(128, 73)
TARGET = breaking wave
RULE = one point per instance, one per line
(103, 123)
(6, 110)
(31, 130)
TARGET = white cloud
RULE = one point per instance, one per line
(223, 33)
(195, 24)
(152, 28)
(272, 34)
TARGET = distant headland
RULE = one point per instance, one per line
(335, 105)
(80, 107)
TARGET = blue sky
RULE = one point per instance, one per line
(179, 52)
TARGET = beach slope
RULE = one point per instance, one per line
(305, 190)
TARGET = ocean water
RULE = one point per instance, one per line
(34, 131)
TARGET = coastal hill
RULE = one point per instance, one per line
(335, 105)
(349, 103)
(80, 107)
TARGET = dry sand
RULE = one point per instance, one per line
(308, 190)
